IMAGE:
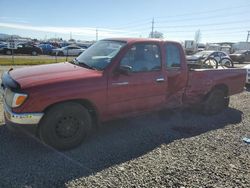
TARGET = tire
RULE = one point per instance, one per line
(8, 52)
(34, 53)
(65, 125)
(226, 62)
(215, 102)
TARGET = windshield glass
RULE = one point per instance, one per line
(100, 54)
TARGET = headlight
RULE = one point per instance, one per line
(13, 99)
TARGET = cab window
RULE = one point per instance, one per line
(143, 58)
(173, 56)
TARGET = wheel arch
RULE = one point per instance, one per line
(90, 106)
(221, 86)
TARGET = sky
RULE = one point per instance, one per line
(218, 21)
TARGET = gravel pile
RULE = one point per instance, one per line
(163, 149)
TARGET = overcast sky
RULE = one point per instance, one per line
(178, 20)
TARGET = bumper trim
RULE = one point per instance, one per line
(22, 118)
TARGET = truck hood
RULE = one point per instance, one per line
(52, 73)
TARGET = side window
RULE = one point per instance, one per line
(221, 54)
(215, 54)
(143, 58)
(173, 56)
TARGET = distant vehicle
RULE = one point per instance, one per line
(241, 46)
(68, 50)
(2, 46)
(24, 49)
(84, 46)
(190, 46)
(248, 75)
(241, 56)
(226, 49)
(213, 47)
(47, 48)
(217, 55)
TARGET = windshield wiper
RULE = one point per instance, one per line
(77, 62)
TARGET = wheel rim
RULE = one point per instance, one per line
(34, 53)
(67, 127)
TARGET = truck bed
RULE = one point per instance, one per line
(201, 81)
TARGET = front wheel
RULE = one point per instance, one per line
(216, 102)
(65, 125)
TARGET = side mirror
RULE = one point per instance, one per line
(124, 69)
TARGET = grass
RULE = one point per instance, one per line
(32, 61)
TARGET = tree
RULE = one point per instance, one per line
(156, 34)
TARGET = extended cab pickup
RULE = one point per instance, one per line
(114, 78)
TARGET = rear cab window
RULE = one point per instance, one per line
(173, 56)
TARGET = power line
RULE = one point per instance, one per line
(202, 18)
(199, 25)
(205, 12)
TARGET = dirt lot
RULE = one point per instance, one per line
(163, 149)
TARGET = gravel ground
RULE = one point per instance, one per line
(163, 149)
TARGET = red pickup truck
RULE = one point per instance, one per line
(113, 78)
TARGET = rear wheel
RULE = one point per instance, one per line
(65, 125)
(226, 62)
(215, 102)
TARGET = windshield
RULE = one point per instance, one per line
(100, 54)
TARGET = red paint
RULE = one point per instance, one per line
(50, 84)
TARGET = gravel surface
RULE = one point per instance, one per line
(163, 149)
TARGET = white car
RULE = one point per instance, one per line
(247, 67)
(68, 51)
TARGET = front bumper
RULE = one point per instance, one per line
(22, 118)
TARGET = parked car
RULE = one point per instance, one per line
(68, 50)
(24, 49)
(220, 57)
(2, 46)
(247, 67)
(113, 78)
(46, 48)
(241, 56)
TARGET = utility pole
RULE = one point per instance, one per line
(248, 34)
(96, 35)
(152, 31)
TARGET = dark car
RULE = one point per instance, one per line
(24, 49)
(46, 48)
(240, 56)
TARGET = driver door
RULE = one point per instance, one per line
(143, 88)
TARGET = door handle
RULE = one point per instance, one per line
(119, 83)
(160, 80)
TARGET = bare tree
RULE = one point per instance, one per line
(156, 34)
